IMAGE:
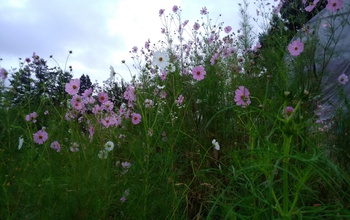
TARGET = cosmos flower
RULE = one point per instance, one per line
(135, 118)
(198, 73)
(242, 96)
(40, 137)
(227, 29)
(334, 5)
(3, 73)
(161, 59)
(296, 48)
(56, 146)
(343, 79)
(73, 87)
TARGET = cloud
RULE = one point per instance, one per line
(99, 32)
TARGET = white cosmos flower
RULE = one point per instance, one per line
(161, 59)
(216, 144)
(20, 142)
(109, 146)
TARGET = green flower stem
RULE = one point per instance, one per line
(286, 147)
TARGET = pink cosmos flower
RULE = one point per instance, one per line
(334, 5)
(242, 96)
(161, 12)
(134, 49)
(175, 8)
(108, 106)
(179, 100)
(97, 109)
(148, 103)
(73, 87)
(343, 79)
(214, 58)
(196, 26)
(163, 94)
(102, 97)
(227, 29)
(296, 48)
(204, 11)
(163, 75)
(129, 93)
(3, 73)
(31, 117)
(77, 102)
(87, 93)
(288, 111)
(40, 137)
(311, 6)
(135, 118)
(91, 132)
(198, 73)
(109, 121)
(56, 146)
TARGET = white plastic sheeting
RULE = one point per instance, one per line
(332, 56)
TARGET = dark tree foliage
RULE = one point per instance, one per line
(291, 19)
(36, 81)
(85, 83)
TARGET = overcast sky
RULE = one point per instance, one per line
(99, 32)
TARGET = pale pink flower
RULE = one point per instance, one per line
(163, 75)
(148, 103)
(343, 79)
(204, 11)
(227, 29)
(102, 97)
(109, 121)
(40, 137)
(31, 117)
(196, 26)
(242, 96)
(163, 94)
(76, 102)
(74, 147)
(161, 12)
(198, 73)
(91, 132)
(135, 118)
(179, 100)
(175, 8)
(311, 6)
(288, 111)
(87, 93)
(334, 5)
(296, 48)
(108, 106)
(73, 87)
(3, 73)
(56, 146)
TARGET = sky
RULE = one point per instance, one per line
(100, 33)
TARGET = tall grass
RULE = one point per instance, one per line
(273, 160)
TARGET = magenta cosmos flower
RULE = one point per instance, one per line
(135, 118)
(198, 73)
(296, 48)
(40, 137)
(73, 87)
(334, 5)
(242, 96)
